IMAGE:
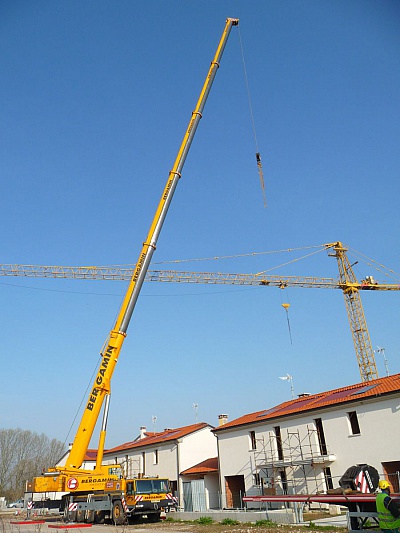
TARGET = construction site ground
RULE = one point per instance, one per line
(13, 524)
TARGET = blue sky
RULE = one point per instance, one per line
(95, 99)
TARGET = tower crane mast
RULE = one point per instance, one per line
(355, 313)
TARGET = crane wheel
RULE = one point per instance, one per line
(118, 515)
(99, 517)
(80, 515)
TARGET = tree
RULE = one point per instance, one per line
(23, 455)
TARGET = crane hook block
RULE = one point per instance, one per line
(261, 174)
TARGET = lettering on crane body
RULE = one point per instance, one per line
(98, 480)
(139, 266)
(167, 189)
(99, 378)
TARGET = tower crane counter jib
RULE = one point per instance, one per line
(72, 476)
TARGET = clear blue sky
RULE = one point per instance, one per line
(95, 98)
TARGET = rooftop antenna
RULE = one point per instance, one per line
(195, 407)
(288, 377)
(154, 420)
(382, 352)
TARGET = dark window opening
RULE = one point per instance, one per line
(321, 437)
(277, 431)
(355, 427)
(328, 478)
(253, 441)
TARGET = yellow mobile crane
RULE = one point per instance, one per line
(347, 282)
(103, 492)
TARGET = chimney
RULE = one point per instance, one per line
(222, 420)
(142, 430)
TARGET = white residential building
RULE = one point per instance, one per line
(303, 445)
(306, 445)
(166, 454)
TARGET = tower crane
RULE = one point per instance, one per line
(347, 282)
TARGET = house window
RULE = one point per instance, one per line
(156, 457)
(284, 481)
(256, 479)
(321, 437)
(354, 425)
(253, 442)
(328, 478)
(278, 436)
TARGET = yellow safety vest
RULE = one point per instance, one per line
(385, 517)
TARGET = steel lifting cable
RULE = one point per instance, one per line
(258, 155)
(388, 272)
(252, 254)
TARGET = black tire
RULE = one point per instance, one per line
(118, 515)
(90, 517)
(80, 515)
(99, 517)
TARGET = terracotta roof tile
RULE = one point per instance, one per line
(205, 467)
(365, 390)
(158, 438)
(91, 455)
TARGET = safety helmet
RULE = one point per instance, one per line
(383, 484)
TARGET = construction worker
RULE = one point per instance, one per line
(387, 509)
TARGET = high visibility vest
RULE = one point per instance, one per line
(385, 517)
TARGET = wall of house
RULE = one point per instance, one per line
(212, 491)
(375, 443)
(172, 457)
(197, 447)
(143, 460)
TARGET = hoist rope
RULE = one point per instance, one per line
(258, 156)
(286, 308)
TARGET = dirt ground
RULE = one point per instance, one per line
(165, 526)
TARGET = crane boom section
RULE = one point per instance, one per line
(125, 273)
(149, 245)
(110, 354)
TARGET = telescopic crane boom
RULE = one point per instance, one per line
(112, 348)
(101, 385)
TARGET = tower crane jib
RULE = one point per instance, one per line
(347, 283)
